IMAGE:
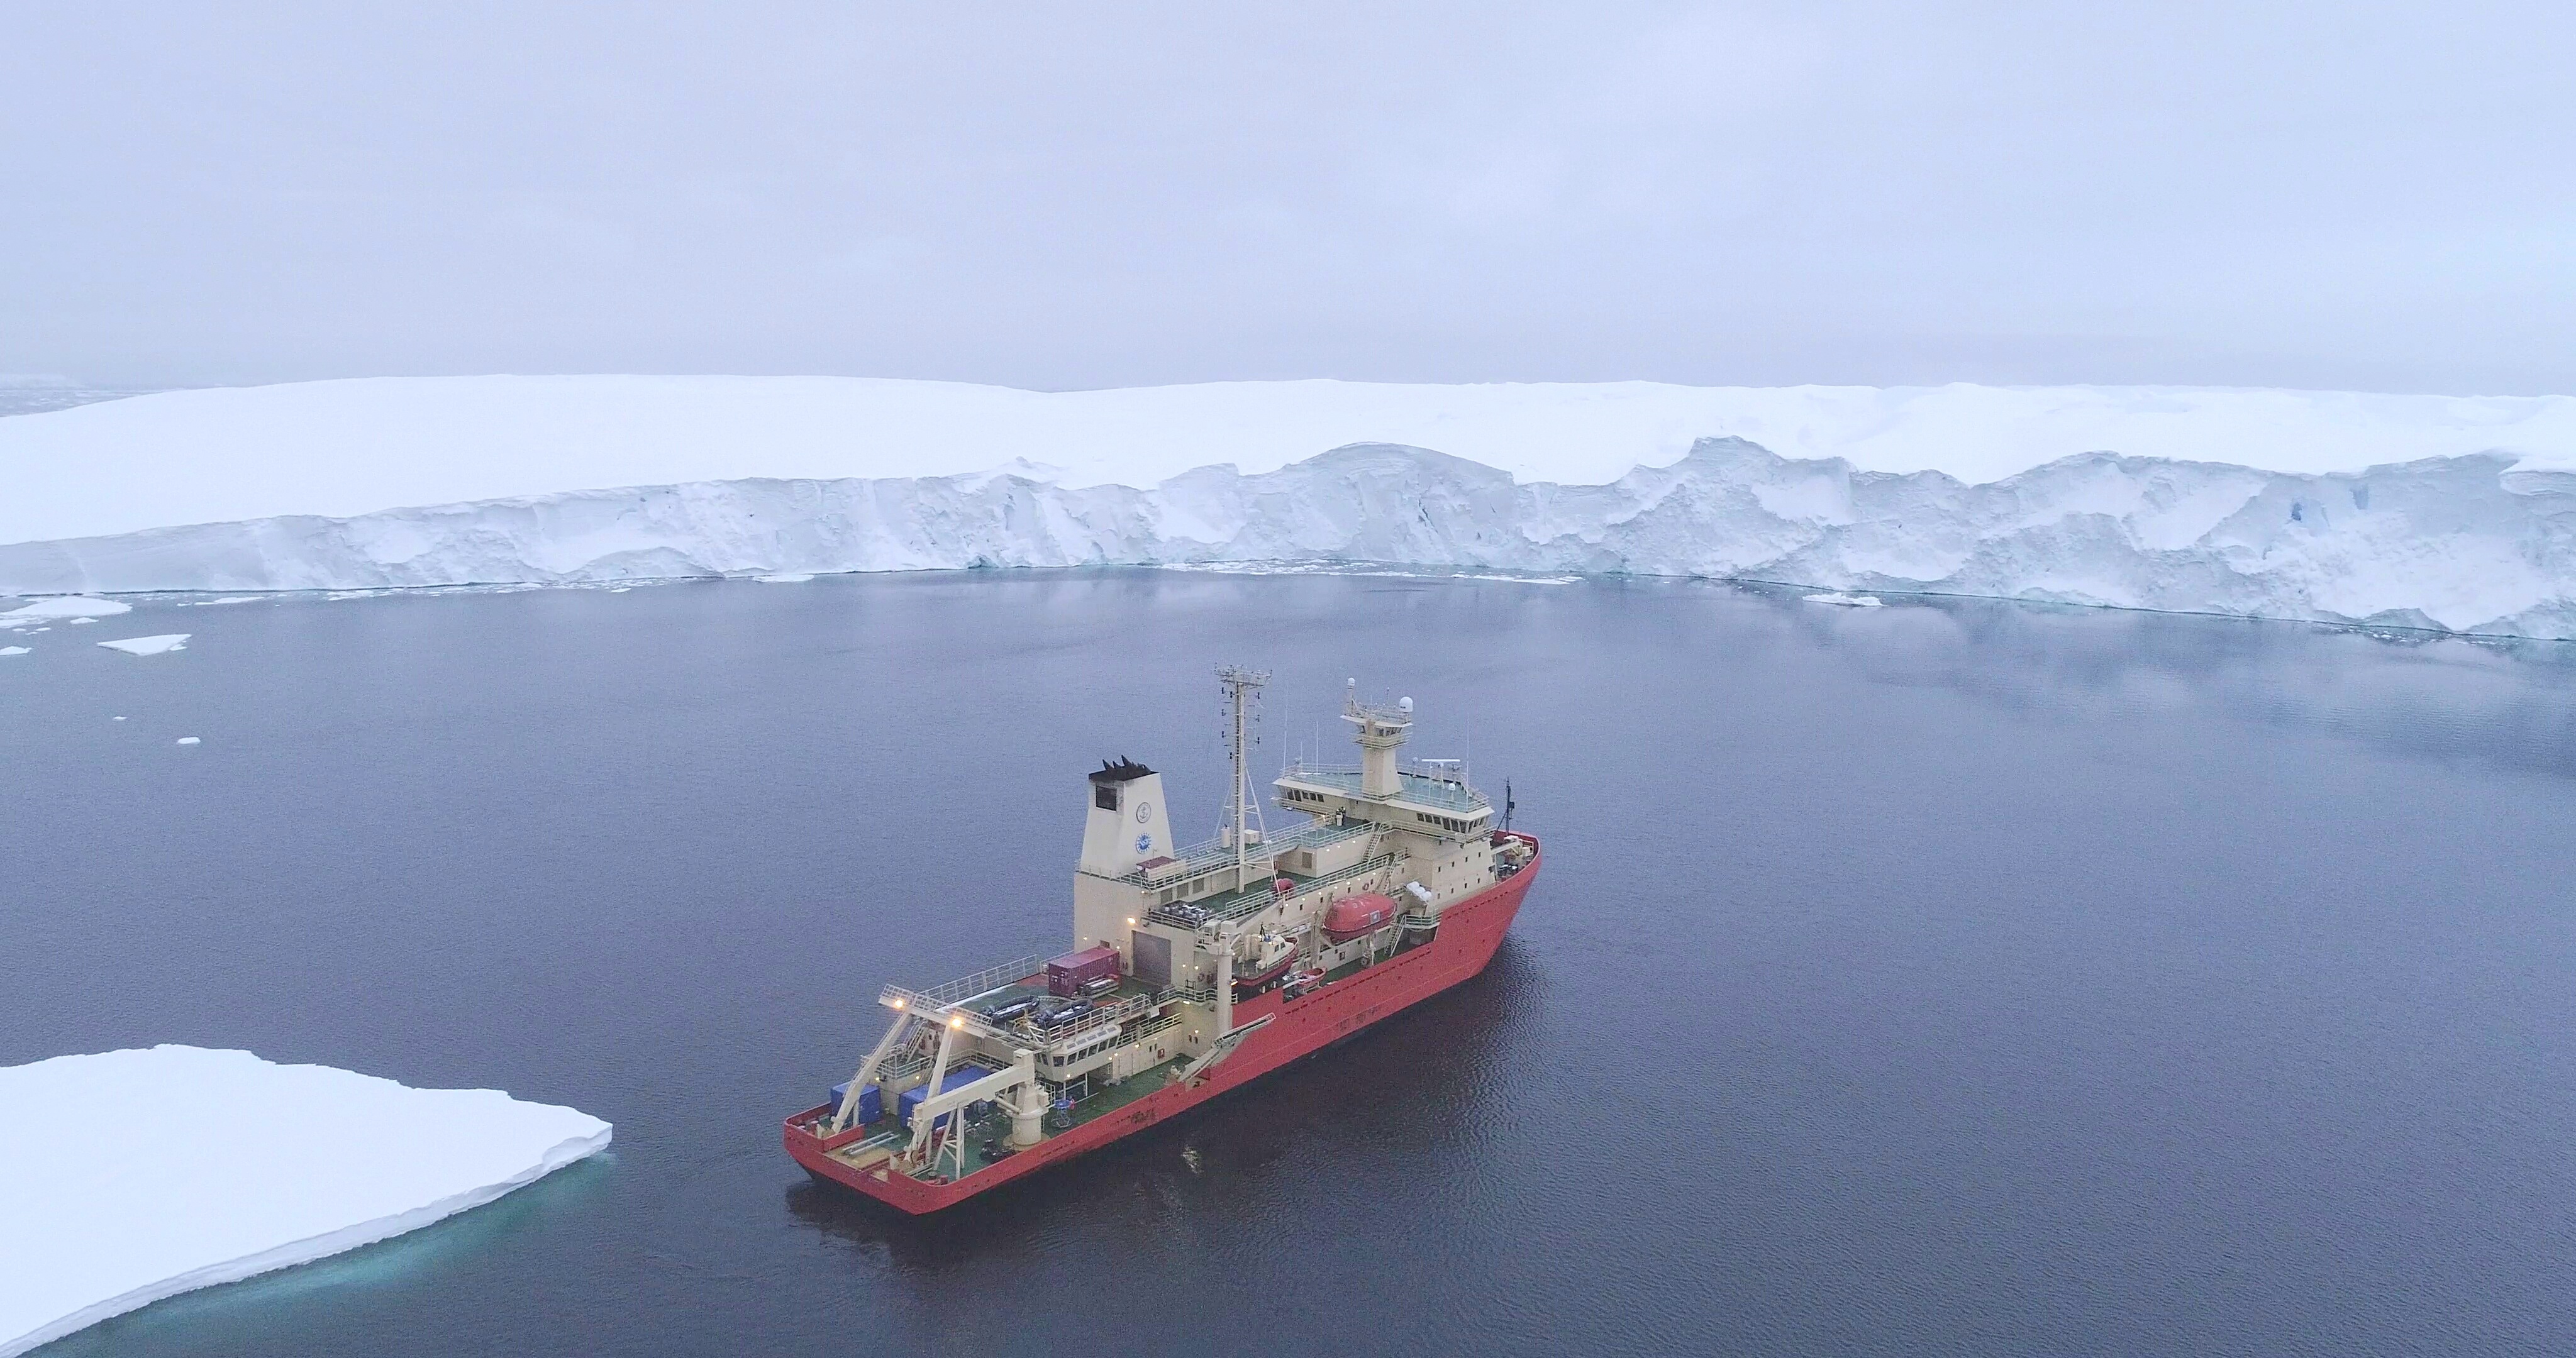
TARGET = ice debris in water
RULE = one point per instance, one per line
(106, 1206)
(188, 740)
(1845, 600)
(13, 650)
(788, 578)
(155, 645)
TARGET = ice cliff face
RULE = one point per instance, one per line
(2462, 543)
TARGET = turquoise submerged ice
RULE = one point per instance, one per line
(105, 1207)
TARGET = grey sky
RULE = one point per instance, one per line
(2337, 194)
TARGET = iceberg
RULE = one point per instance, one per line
(281, 1165)
(156, 645)
(2431, 512)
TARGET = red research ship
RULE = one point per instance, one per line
(1193, 970)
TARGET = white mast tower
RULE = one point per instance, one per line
(1243, 806)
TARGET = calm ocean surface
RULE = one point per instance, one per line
(1943, 978)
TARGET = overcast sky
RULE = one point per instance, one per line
(2342, 194)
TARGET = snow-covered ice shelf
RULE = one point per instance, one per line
(2420, 511)
(104, 1209)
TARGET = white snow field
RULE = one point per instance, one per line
(2427, 511)
(105, 1207)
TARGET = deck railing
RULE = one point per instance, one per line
(1254, 899)
(939, 997)
(1429, 782)
(1216, 855)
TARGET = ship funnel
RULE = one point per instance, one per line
(1126, 823)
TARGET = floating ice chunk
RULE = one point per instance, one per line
(82, 622)
(72, 606)
(107, 1205)
(1845, 600)
(21, 650)
(167, 641)
(188, 740)
(228, 599)
(790, 578)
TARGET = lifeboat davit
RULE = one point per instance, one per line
(1352, 916)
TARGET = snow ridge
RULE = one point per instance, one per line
(2483, 542)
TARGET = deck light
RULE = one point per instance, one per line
(898, 1001)
(1131, 921)
(957, 1020)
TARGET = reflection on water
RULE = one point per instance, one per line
(2500, 702)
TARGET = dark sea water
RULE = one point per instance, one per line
(1944, 978)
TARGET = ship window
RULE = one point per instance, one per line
(1105, 796)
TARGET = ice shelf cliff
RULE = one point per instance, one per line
(2420, 511)
(106, 1205)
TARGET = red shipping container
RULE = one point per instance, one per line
(1067, 974)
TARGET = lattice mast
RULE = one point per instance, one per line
(1243, 807)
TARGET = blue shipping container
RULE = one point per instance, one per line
(912, 1097)
(871, 1101)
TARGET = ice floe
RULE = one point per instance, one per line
(1845, 600)
(187, 740)
(154, 645)
(13, 650)
(53, 610)
(787, 578)
(105, 1207)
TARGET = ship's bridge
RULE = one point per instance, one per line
(1429, 796)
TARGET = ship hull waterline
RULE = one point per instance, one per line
(1469, 934)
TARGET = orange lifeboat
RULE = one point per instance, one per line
(1352, 916)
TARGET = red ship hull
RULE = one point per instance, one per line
(1470, 931)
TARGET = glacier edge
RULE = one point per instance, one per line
(2463, 544)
